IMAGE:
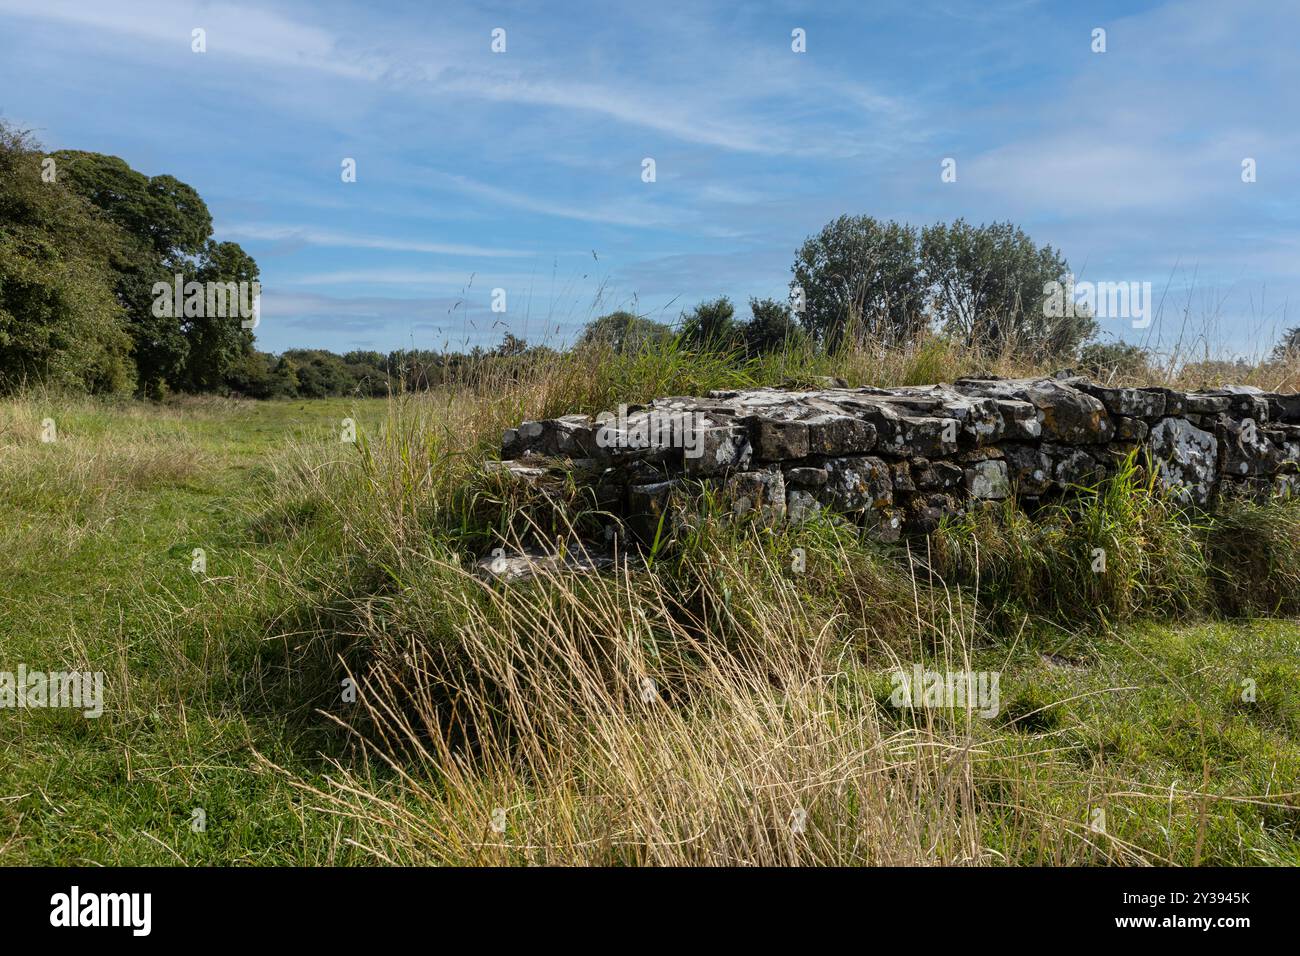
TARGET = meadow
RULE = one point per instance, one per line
(336, 685)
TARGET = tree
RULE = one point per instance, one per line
(987, 286)
(710, 325)
(1289, 346)
(167, 231)
(771, 327)
(863, 278)
(623, 331)
(510, 346)
(215, 344)
(158, 243)
(60, 322)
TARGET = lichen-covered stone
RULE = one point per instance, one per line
(653, 510)
(1287, 440)
(1206, 403)
(930, 437)
(1131, 429)
(720, 449)
(924, 515)
(800, 505)
(519, 567)
(1072, 466)
(937, 475)
(886, 524)
(1021, 418)
(988, 480)
(1186, 460)
(780, 439)
(1133, 402)
(1247, 450)
(838, 434)
(902, 471)
(1028, 469)
(858, 483)
(762, 491)
(1247, 401)
(1175, 401)
(1064, 413)
(570, 436)
(806, 476)
(1284, 408)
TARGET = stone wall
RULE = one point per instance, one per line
(901, 458)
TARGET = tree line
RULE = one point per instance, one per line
(86, 242)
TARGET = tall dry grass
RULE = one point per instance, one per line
(591, 721)
(713, 708)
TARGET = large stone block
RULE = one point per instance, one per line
(937, 475)
(761, 491)
(780, 439)
(1064, 413)
(988, 480)
(719, 449)
(858, 483)
(837, 434)
(1186, 460)
(1247, 449)
(571, 436)
(1021, 418)
(1028, 469)
(1133, 402)
(1072, 467)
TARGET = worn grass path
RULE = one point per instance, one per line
(97, 540)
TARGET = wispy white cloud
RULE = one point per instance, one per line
(231, 29)
(623, 212)
(411, 277)
(739, 112)
(311, 235)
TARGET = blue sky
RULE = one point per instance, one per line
(522, 170)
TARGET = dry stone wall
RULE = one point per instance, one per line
(900, 459)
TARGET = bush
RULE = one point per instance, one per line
(1110, 361)
(771, 329)
(623, 331)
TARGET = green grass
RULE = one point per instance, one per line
(97, 572)
(1121, 694)
(1149, 725)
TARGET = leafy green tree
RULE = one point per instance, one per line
(987, 287)
(510, 346)
(861, 278)
(623, 332)
(771, 328)
(162, 212)
(60, 322)
(168, 232)
(159, 243)
(251, 375)
(284, 378)
(216, 343)
(710, 325)
(319, 373)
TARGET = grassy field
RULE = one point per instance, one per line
(98, 536)
(510, 725)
